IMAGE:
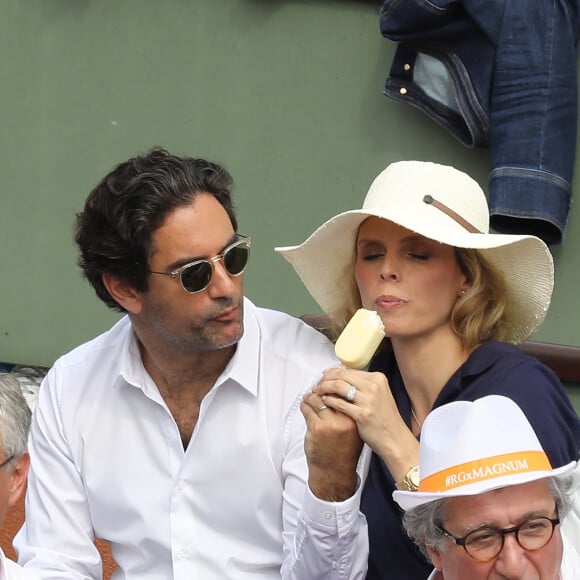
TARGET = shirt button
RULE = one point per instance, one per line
(327, 515)
(403, 90)
(341, 565)
(407, 67)
(183, 554)
(346, 517)
(181, 485)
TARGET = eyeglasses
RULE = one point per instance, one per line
(7, 461)
(486, 543)
(196, 276)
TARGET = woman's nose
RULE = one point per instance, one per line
(389, 268)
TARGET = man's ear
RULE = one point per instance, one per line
(435, 557)
(123, 293)
(18, 478)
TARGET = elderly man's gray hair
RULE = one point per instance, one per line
(423, 523)
(15, 417)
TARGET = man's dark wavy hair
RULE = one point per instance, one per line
(113, 232)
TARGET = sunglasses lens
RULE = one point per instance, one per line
(196, 277)
(236, 258)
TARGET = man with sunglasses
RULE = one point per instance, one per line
(177, 436)
(489, 504)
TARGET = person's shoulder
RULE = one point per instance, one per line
(91, 363)
(506, 370)
(495, 349)
(286, 328)
(108, 341)
(503, 369)
(291, 336)
(504, 357)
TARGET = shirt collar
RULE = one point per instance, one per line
(131, 369)
(480, 360)
(243, 367)
(483, 357)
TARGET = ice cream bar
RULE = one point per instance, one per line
(360, 339)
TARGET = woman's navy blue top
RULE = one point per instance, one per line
(493, 368)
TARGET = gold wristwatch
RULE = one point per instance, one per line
(410, 481)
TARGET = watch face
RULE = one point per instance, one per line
(414, 477)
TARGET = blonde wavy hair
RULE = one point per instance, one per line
(481, 314)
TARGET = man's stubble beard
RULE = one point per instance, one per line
(199, 336)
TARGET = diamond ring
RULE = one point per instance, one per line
(351, 394)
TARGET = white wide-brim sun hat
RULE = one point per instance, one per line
(440, 203)
(472, 447)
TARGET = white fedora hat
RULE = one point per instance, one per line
(440, 203)
(468, 448)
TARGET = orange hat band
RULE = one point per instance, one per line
(484, 469)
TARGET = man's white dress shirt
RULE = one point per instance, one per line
(570, 561)
(10, 570)
(107, 461)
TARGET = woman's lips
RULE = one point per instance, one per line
(389, 302)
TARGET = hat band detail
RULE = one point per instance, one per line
(485, 469)
(429, 199)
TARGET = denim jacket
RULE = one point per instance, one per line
(499, 74)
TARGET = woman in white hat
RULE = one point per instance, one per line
(452, 296)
